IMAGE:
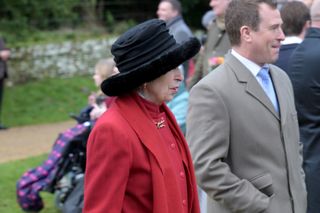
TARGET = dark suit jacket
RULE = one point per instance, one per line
(304, 71)
(284, 55)
(246, 156)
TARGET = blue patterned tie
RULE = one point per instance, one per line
(267, 86)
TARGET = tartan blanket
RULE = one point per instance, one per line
(35, 180)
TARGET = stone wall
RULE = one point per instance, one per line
(57, 60)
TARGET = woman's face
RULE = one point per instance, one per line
(163, 88)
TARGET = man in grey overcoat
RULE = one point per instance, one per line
(242, 124)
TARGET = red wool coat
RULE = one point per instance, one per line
(128, 169)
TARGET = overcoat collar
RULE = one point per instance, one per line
(253, 88)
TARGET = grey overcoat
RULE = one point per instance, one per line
(246, 156)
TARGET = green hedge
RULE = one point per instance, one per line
(22, 20)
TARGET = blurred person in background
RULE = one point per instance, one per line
(304, 72)
(4, 56)
(170, 11)
(98, 100)
(296, 20)
(216, 43)
(207, 18)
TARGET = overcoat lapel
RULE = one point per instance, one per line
(253, 88)
(281, 93)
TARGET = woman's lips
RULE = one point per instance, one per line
(174, 89)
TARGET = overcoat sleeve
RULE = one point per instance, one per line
(108, 161)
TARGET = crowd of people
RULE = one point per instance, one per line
(225, 123)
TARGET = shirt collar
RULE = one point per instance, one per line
(291, 40)
(250, 65)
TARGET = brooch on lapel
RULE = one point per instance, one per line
(159, 124)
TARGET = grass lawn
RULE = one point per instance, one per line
(10, 173)
(45, 101)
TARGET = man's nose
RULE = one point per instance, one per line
(281, 35)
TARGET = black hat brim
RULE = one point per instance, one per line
(122, 83)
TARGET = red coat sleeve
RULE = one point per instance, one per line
(109, 159)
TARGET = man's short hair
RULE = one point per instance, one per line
(176, 5)
(294, 15)
(243, 13)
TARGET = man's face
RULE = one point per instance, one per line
(165, 11)
(219, 6)
(265, 43)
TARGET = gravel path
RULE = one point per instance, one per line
(23, 142)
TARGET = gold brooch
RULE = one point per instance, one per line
(160, 124)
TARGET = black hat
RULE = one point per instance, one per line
(144, 53)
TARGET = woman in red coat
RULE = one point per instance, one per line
(137, 157)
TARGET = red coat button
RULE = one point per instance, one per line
(184, 202)
(182, 174)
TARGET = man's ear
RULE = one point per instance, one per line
(245, 33)
(175, 13)
(307, 25)
(304, 29)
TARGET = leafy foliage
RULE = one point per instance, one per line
(38, 13)
(23, 18)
